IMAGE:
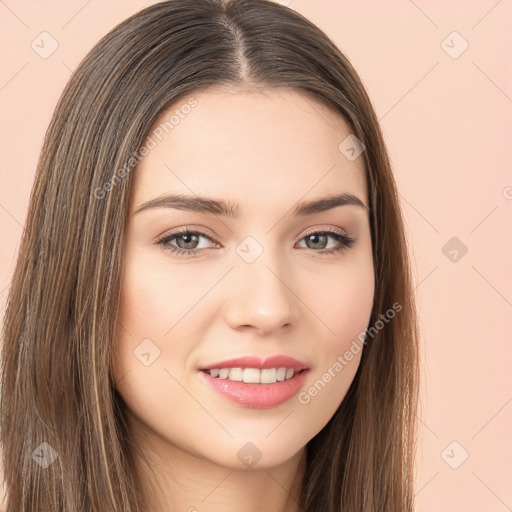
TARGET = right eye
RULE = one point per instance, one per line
(184, 237)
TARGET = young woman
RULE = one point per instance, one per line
(212, 306)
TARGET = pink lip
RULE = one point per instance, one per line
(256, 362)
(258, 396)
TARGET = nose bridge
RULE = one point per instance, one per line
(262, 292)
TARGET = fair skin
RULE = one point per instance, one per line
(266, 152)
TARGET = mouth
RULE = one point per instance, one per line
(254, 375)
(251, 382)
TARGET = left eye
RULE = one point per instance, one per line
(319, 237)
(188, 241)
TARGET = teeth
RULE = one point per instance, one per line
(253, 375)
(235, 374)
(268, 376)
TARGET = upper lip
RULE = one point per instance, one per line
(279, 361)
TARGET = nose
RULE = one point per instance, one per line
(262, 297)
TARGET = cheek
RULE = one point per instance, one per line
(353, 307)
(345, 310)
(147, 293)
(147, 366)
(155, 295)
(143, 319)
(338, 355)
(343, 300)
(155, 299)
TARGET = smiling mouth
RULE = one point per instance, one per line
(259, 388)
(254, 375)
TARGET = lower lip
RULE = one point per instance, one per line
(258, 396)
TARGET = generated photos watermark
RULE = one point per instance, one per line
(343, 360)
(150, 143)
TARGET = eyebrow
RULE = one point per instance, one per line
(232, 210)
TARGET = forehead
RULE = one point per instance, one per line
(276, 145)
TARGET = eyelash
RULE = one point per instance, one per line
(346, 241)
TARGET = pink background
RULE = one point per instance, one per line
(447, 123)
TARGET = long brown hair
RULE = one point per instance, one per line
(61, 316)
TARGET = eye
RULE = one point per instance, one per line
(188, 242)
(319, 239)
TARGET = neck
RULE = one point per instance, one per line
(174, 478)
(171, 478)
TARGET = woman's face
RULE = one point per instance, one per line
(258, 282)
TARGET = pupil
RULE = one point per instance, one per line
(316, 237)
(187, 239)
